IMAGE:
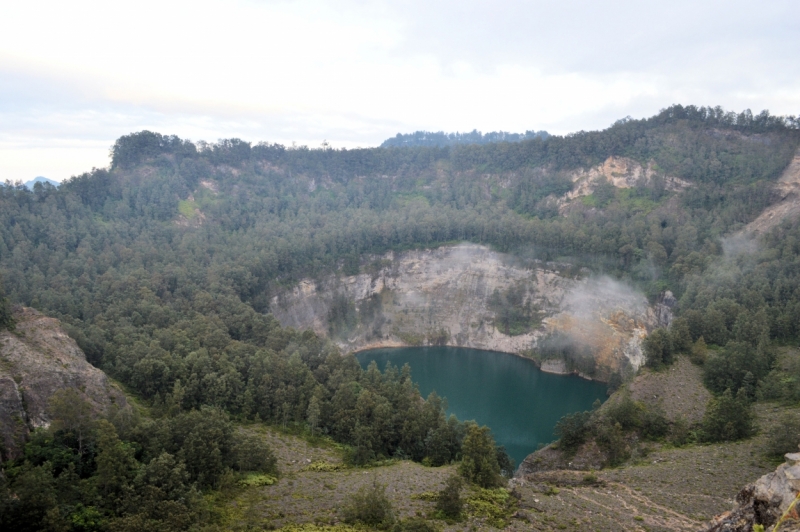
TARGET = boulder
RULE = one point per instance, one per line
(765, 501)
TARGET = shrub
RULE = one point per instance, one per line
(679, 433)
(654, 424)
(626, 412)
(414, 524)
(449, 502)
(785, 437)
(479, 457)
(370, 506)
(572, 430)
(253, 453)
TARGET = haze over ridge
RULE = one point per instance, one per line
(356, 73)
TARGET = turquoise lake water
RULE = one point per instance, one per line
(518, 401)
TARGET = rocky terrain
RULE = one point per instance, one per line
(444, 297)
(621, 172)
(38, 359)
(671, 489)
(787, 207)
(677, 392)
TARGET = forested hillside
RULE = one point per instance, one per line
(440, 139)
(162, 265)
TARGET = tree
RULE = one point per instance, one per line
(728, 418)
(505, 462)
(203, 439)
(572, 430)
(29, 500)
(785, 437)
(6, 315)
(313, 414)
(479, 457)
(657, 349)
(252, 453)
(72, 413)
(699, 352)
(680, 336)
(116, 467)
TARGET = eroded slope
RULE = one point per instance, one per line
(37, 360)
(449, 296)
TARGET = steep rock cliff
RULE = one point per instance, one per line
(455, 295)
(765, 501)
(38, 359)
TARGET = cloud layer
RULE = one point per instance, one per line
(74, 76)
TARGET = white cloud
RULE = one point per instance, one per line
(356, 72)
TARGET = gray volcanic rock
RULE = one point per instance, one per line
(38, 359)
(765, 501)
(443, 297)
(588, 457)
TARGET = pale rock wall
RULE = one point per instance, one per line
(38, 359)
(441, 297)
(621, 172)
(786, 208)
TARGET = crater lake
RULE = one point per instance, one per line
(509, 394)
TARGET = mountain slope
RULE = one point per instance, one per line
(37, 360)
(30, 184)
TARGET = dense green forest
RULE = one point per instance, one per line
(162, 267)
(440, 138)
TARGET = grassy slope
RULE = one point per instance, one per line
(671, 489)
(667, 489)
(307, 494)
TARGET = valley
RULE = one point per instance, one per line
(178, 330)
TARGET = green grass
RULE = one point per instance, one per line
(203, 198)
(188, 208)
(254, 480)
(324, 467)
(630, 201)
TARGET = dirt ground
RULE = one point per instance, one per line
(678, 390)
(671, 489)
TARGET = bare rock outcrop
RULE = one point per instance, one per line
(621, 172)
(787, 207)
(38, 359)
(443, 297)
(550, 458)
(765, 501)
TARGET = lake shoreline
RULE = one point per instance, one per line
(511, 394)
(554, 368)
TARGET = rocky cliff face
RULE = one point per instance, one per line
(621, 172)
(455, 295)
(38, 359)
(787, 206)
(765, 501)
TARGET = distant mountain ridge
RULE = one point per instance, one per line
(441, 139)
(40, 179)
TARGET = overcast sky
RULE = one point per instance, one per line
(76, 75)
